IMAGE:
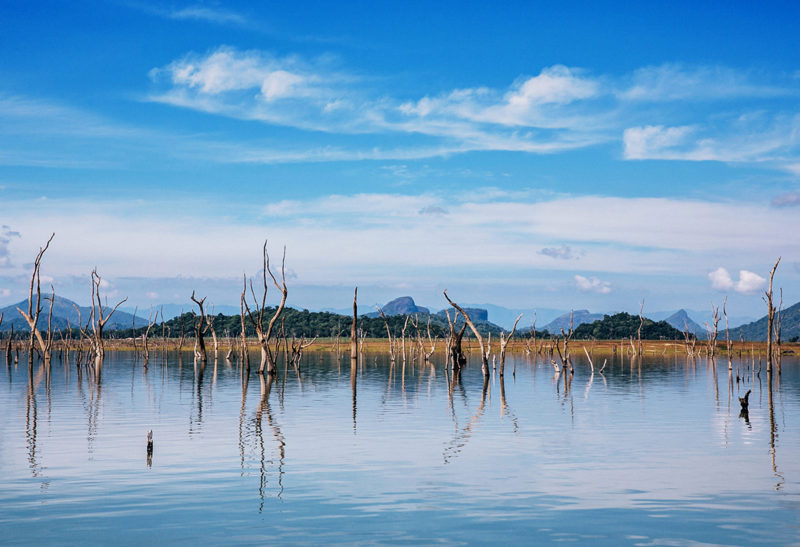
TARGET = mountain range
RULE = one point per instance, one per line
(63, 311)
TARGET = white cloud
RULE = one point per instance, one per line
(5, 292)
(382, 238)
(205, 13)
(673, 82)
(653, 141)
(721, 280)
(561, 108)
(748, 283)
(592, 284)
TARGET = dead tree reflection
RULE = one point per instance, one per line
(262, 411)
(462, 436)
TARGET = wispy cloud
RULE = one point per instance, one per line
(394, 237)
(206, 13)
(560, 108)
(675, 82)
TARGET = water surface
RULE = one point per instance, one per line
(648, 453)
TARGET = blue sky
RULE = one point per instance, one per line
(554, 155)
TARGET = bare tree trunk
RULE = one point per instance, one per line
(639, 332)
(728, 343)
(503, 342)
(99, 319)
(770, 317)
(151, 320)
(388, 333)
(267, 359)
(8, 346)
(245, 353)
(32, 316)
(210, 326)
(200, 327)
(566, 362)
(353, 331)
(484, 356)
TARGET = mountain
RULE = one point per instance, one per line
(505, 317)
(681, 321)
(63, 310)
(400, 306)
(579, 317)
(476, 315)
(757, 330)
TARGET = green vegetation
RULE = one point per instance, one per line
(624, 325)
(310, 324)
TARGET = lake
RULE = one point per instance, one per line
(647, 453)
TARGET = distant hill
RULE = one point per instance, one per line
(681, 321)
(475, 314)
(505, 317)
(757, 330)
(63, 310)
(623, 325)
(579, 317)
(400, 306)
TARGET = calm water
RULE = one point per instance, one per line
(650, 455)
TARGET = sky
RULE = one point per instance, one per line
(586, 155)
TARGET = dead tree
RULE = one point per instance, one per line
(484, 356)
(728, 343)
(299, 345)
(32, 316)
(778, 333)
(257, 319)
(454, 351)
(245, 354)
(151, 320)
(99, 319)
(353, 331)
(566, 362)
(711, 343)
(8, 345)
(691, 339)
(200, 328)
(431, 341)
(210, 327)
(770, 316)
(504, 341)
(388, 333)
(639, 331)
(403, 338)
(528, 349)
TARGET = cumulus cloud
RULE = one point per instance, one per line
(749, 282)
(564, 252)
(592, 284)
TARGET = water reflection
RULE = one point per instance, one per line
(401, 438)
(262, 411)
(462, 436)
